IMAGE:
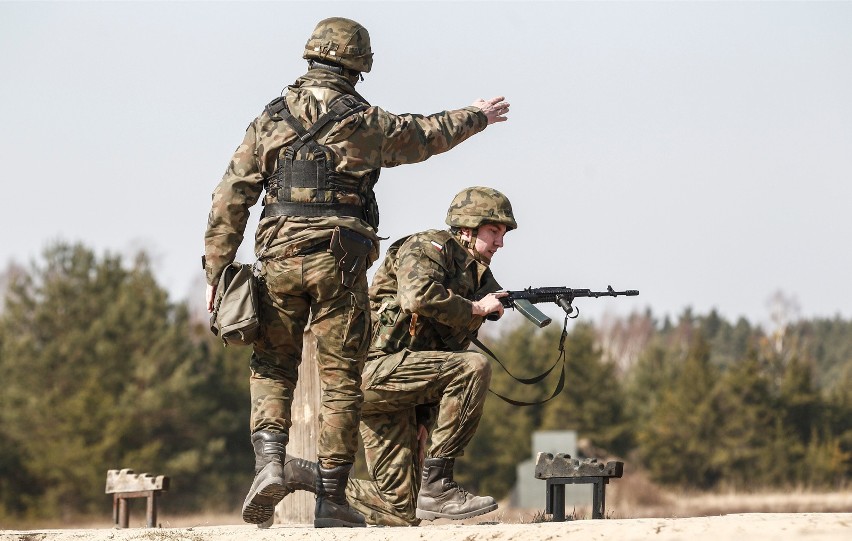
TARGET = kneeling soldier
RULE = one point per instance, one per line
(419, 372)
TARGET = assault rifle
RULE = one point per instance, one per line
(524, 300)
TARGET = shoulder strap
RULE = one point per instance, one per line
(347, 104)
(274, 108)
(339, 108)
(527, 381)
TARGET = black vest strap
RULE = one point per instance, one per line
(274, 108)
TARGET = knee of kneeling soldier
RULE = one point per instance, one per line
(478, 365)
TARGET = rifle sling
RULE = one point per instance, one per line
(526, 381)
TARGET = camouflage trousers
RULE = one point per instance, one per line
(394, 386)
(294, 289)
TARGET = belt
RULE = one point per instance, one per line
(312, 210)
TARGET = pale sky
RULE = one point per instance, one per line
(700, 152)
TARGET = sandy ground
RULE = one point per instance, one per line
(739, 527)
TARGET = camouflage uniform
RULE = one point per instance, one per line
(422, 322)
(298, 285)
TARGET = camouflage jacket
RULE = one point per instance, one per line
(421, 295)
(362, 142)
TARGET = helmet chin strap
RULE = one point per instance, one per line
(470, 244)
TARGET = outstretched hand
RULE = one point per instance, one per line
(495, 108)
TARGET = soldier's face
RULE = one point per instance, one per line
(489, 239)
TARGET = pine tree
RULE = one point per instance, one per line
(653, 372)
(592, 402)
(744, 405)
(105, 373)
(676, 444)
(839, 408)
(799, 399)
(829, 343)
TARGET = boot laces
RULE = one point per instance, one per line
(450, 484)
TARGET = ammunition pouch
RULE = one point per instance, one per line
(350, 249)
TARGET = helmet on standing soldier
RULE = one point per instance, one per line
(340, 41)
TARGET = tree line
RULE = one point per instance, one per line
(100, 370)
(699, 403)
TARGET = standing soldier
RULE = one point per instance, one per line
(317, 151)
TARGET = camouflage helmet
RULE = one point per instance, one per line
(340, 41)
(477, 205)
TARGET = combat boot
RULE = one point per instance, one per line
(441, 497)
(332, 509)
(276, 475)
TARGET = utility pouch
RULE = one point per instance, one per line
(234, 318)
(236, 306)
(350, 249)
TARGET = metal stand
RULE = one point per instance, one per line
(555, 502)
(125, 485)
(121, 508)
(561, 470)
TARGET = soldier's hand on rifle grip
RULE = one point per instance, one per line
(489, 304)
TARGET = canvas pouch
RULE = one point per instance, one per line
(235, 308)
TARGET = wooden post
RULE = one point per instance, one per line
(298, 507)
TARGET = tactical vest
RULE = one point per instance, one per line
(308, 164)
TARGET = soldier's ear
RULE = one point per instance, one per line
(466, 233)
